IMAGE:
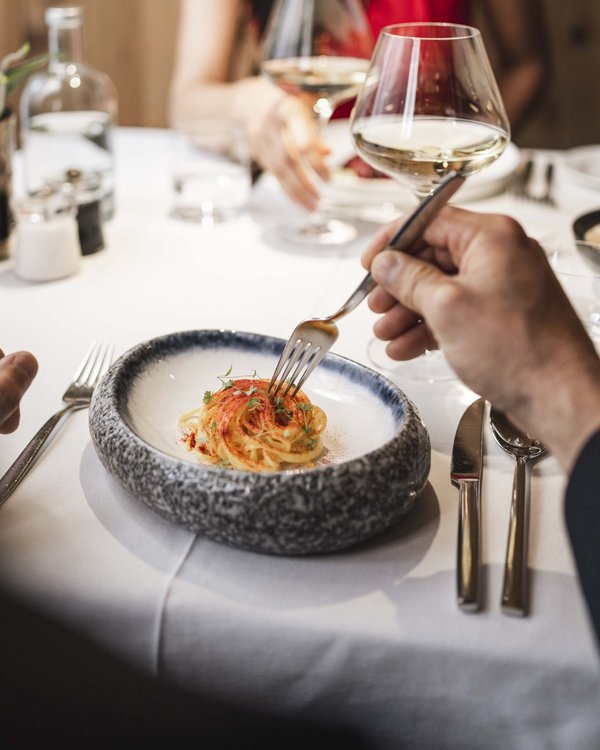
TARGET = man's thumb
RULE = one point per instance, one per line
(410, 280)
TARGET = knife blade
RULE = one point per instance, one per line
(465, 473)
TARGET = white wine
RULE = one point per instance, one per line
(321, 77)
(425, 149)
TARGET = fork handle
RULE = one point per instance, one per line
(549, 179)
(363, 290)
(407, 236)
(514, 586)
(20, 468)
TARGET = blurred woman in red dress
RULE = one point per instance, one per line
(217, 64)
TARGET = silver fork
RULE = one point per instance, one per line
(77, 396)
(522, 180)
(312, 339)
(524, 177)
(548, 197)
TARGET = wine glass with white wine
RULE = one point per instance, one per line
(429, 106)
(319, 51)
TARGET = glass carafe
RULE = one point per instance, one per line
(68, 112)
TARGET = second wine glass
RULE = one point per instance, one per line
(429, 106)
(318, 50)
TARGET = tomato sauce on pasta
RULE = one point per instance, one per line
(243, 426)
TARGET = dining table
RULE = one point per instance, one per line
(370, 637)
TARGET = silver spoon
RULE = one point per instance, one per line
(590, 252)
(515, 594)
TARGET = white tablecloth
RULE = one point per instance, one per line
(370, 637)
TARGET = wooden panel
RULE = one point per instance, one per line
(133, 42)
(12, 19)
(158, 38)
(568, 113)
(130, 40)
(113, 45)
(571, 113)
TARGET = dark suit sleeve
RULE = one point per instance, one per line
(582, 511)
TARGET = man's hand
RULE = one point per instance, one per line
(483, 291)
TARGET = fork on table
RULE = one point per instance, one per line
(77, 396)
(524, 178)
(312, 339)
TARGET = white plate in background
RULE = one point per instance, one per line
(582, 165)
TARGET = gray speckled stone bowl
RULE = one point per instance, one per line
(375, 464)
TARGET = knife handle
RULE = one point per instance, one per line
(468, 560)
(515, 593)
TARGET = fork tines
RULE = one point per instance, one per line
(96, 361)
(298, 359)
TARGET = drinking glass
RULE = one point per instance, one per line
(211, 171)
(429, 105)
(318, 50)
(577, 267)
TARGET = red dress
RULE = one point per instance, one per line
(386, 12)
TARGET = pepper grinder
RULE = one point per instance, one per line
(85, 192)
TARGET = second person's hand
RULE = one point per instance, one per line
(17, 371)
(285, 140)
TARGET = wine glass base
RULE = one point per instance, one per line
(195, 215)
(431, 367)
(329, 232)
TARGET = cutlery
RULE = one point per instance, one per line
(77, 396)
(465, 473)
(525, 449)
(547, 197)
(312, 339)
(523, 177)
(522, 186)
(590, 253)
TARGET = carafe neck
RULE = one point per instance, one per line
(65, 44)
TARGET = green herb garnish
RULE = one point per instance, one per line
(226, 383)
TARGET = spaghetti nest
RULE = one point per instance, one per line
(242, 426)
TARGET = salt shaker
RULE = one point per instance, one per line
(47, 242)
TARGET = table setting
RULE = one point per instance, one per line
(414, 584)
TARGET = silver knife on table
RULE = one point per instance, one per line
(465, 473)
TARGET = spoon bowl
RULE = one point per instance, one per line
(512, 440)
(525, 449)
(585, 230)
(590, 253)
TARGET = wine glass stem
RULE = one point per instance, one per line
(423, 192)
(322, 111)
